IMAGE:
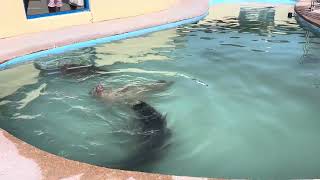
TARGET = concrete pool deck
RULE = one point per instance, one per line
(302, 8)
(19, 160)
(19, 46)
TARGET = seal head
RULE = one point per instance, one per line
(98, 90)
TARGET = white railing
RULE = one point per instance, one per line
(314, 4)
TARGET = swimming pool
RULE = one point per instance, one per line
(244, 103)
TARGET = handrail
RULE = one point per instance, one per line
(313, 4)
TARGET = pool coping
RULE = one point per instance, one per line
(24, 48)
(308, 19)
(19, 160)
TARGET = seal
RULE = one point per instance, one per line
(153, 141)
(154, 135)
(129, 94)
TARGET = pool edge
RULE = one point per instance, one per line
(171, 19)
(90, 43)
(305, 17)
(24, 160)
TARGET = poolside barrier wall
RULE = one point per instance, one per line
(23, 48)
(14, 20)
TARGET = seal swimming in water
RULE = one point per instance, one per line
(153, 133)
(152, 141)
(129, 93)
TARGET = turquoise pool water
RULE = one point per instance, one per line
(244, 103)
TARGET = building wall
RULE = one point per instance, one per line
(14, 21)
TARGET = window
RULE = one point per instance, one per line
(42, 8)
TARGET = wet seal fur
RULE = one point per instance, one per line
(130, 93)
(152, 140)
(150, 118)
